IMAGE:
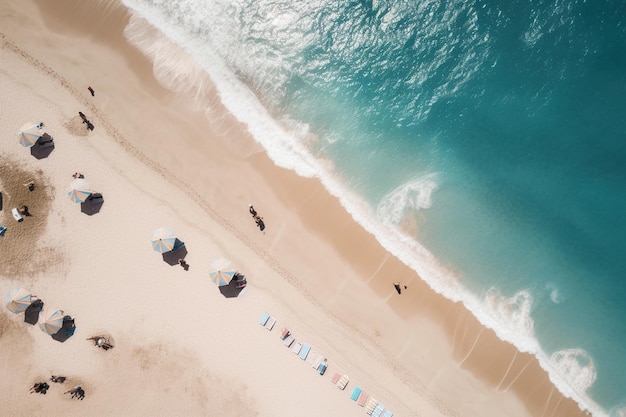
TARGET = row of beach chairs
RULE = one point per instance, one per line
(320, 364)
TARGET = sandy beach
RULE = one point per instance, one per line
(180, 347)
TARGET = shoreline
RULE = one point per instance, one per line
(365, 273)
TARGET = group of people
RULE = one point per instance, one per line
(42, 387)
(257, 219)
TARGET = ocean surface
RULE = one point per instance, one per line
(482, 142)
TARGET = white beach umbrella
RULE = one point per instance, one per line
(29, 134)
(222, 271)
(79, 190)
(18, 300)
(51, 320)
(163, 239)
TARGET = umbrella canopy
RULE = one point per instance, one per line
(18, 300)
(222, 272)
(163, 239)
(29, 134)
(79, 190)
(51, 321)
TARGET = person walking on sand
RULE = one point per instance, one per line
(252, 211)
(93, 93)
(397, 286)
(77, 392)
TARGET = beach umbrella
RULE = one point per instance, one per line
(50, 320)
(29, 134)
(79, 190)
(18, 300)
(222, 272)
(163, 239)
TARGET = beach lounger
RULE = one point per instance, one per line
(16, 214)
(269, 325)
(370, 405)
(343, 381)
(296, 347)
(355, 393)
(378, 410)
(2, 230)
(322, 367)
(362, 398)
(317, 360)
(264, 318)
(387, 413)
(304, 352)
(288, 341)
(335, 378)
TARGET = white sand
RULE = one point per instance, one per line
(181, 348)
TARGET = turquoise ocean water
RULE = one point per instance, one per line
(482, 142)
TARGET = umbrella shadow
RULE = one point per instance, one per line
(66, 331)
(234, 287)
(179, 252)
(43, 147)
(31, 314)
(92, 204)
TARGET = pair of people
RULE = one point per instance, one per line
(40, 388)
(257, 219)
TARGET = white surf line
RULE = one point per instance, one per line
(545, 407)
(456, 328)
(519, 373)
(378, 269)
(472, 348)
(507, 370)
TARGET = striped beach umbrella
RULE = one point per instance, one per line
(163, 239)
(51, 320)
(18, 300)
(79, 190)
(222, 272)
(29, 134)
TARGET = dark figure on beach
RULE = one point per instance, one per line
(93, 93)
(24, 211)
(68, 327)
(37, 305)
(253, 211)
(57, 379)
(184, 264)
(77, 392)
(396, 285)
(78, 175)
(82, 116)
(40, 387)
(259, 222)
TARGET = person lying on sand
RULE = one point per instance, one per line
(58, 379)
(101, 342)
